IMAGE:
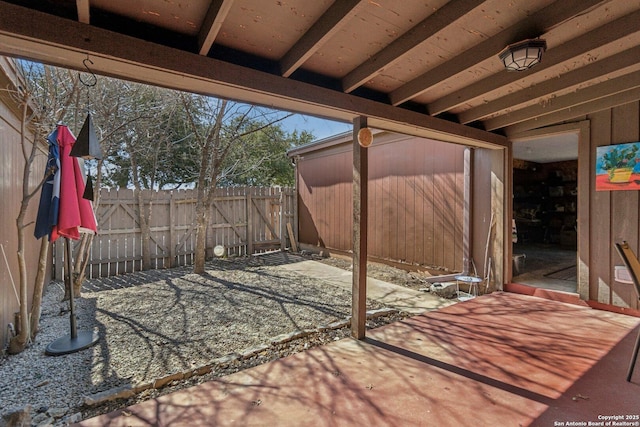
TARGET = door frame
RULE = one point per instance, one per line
(582, 129)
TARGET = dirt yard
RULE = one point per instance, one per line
(164, 330)
(414, 280)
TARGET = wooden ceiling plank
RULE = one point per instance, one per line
(596, 38)
(611, 101)
(437, 21)
(582, 96)
(27, 33)
(544, 20)
(218, 11)
(576, 77)
(571, 127)
(83, 11)
(334, 19)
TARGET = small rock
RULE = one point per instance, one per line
(373, 314)
(57, 412)
(161, 382)
(40, 418)
(21, 418)
(47, 421)
(254, 350)
(107, 395)
(75, 418)
(444, 290)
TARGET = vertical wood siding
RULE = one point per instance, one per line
(614, 215)
(11, 176)
(415, 200)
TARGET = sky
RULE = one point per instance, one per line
(320, 128)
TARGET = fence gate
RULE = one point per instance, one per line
(265, 226)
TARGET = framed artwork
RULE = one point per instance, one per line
(618, 167)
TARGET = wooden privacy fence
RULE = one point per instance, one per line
(243, 220)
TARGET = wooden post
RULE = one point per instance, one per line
(249, 222)
(467, 213)
(59, 254)
(282, 219)
(292, 238)
(172, 230)
(360, 200)
(295, 200)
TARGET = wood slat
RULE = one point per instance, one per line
(625, 128)
(403, 177)
(117, 247)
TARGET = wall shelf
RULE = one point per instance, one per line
(545, 203)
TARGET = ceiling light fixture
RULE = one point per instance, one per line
(523, 55)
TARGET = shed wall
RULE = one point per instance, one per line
(416, 195)
(11, 177)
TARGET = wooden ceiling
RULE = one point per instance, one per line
(410, 64)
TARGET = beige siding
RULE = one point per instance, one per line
(614, 216)
(11, 177)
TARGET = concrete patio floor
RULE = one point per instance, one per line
(498, 360)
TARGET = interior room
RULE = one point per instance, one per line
(545, 212)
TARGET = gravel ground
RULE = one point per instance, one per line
(162, 322)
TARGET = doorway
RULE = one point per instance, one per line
(545, 211)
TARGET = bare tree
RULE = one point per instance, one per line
(131, 121)
(20, 341)
(217, 126)
(42, 105)
(52, 95)
(144, 145)
(167, 139)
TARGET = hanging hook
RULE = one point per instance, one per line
(94, 79)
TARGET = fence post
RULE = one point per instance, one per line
(119, 239)
(172, 231)
(249, 222)
(283, 238)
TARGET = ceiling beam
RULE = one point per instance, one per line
(332, 21)
(572, 127)
(213, 20)
(83, 11)
(587, 42)
(595, 70)
(27, 33)
(437, 21)
(540, 22)
(615, 100)
(571, 100)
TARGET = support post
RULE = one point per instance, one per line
(467, 212)
(360, 200)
